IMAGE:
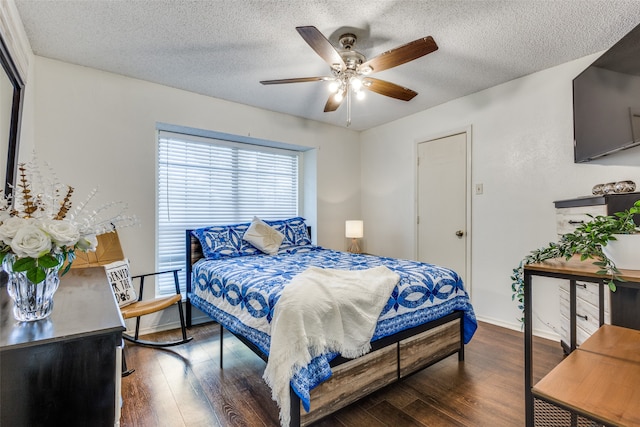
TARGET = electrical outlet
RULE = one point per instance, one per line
(479, 189)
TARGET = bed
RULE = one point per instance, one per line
(428, 316)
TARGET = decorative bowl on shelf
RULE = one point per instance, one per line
(624, 187)
(608, 188)
(619, 187)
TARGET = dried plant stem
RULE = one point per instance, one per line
(29, 205)
(65, 205)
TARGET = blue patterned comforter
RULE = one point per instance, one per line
(241, 293)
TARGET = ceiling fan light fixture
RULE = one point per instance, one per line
(334, 86)
(350, 69)
(356, 84)
(365, 70)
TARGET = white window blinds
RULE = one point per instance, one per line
(206, 181)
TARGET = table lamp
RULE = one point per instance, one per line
(354, 229)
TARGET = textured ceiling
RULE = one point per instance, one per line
(223, 48)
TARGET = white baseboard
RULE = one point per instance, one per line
(516, 326)
(196, 320)
(199, 318)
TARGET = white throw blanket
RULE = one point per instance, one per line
(320, 311)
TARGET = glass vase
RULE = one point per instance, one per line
(30, 301)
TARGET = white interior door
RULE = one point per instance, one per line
(442, 202)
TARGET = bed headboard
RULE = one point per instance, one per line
(194, 249)
(194, 254)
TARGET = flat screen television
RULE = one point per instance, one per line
(606, 101)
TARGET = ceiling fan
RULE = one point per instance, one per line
(350, 69)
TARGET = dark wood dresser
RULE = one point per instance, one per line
(63, 370)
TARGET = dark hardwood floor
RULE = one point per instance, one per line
(184, 386)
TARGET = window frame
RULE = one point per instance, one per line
(223, 140)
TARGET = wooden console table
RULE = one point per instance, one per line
(571, 270)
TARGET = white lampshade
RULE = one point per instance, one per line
(354, 229)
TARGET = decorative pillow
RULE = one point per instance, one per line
(263, 236)
(220, 241)
(120, 279)
(294, 231)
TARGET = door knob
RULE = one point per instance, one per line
(459, 233)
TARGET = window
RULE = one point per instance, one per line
(204, 181)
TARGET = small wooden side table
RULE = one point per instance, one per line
(596, 383)
(572, 270)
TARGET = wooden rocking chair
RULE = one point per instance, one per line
(109, 251)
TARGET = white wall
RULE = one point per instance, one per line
(15, 38)
(522, 151)
(98, 129)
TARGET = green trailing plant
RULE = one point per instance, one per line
(586, 241)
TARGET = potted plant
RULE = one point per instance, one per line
(591, 240)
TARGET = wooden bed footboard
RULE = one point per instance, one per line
(408, 352)
(390, 359)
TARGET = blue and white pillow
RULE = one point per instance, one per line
(294, 231)
(220, 241)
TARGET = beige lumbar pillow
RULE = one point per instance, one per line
(263, 236)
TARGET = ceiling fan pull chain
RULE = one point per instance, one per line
(348, 105)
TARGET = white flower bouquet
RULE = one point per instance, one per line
(40, 230)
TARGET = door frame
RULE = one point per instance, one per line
(469, 192)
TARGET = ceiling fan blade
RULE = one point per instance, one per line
(333, 104)
(400, 55)
(296, 80)
(388, 89)
(322, 46)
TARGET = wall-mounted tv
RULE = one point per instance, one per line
(606, 101)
